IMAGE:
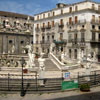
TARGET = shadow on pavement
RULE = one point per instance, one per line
(89, 96)
(25, 90)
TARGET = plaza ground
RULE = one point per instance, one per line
(94, 94)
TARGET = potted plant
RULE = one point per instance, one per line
(36, 55)
(85, 87)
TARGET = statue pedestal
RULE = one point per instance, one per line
(41, 77)
(41, 71)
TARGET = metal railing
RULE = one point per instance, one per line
(92, 79)
(30, 84)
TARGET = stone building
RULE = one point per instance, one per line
(73, 28)
(16, 31)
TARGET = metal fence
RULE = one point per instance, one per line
(30, 84)
(92, 79)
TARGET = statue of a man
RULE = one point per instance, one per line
(41, 62)
(13, 49)
(30, 55)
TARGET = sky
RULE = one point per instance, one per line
(31, 7)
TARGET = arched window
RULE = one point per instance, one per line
(70, 9)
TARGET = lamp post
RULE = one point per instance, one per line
(22, 87)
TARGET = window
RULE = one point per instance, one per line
(37, 17)
(14, 23)
(93, 18)
(61, 11)
(99, 19)
(21, 42)
(31, 42)
(43, 25)
(75, 53)
(48, 38)
(93, 6)
(4, 23)
(70, 37)
(24, 24)
(99, 27)
(82, 37)
(70, 53)
(48, 14)
(70, 20)
(52, 37)
(61, 36)
(76, 19)
(93, 36)
(99, 37)
(43, 49)
(93, 26)
(37, 25)
(76, 8)
(53, 13)
(10, 41)
(43, 38)
(61, 22)
(70, 9)
(53, 23)
(99, 7)
(43, 15)
(48, 24)
(75, 38)
(82, 26)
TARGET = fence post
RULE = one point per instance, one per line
(36, 82)
(8, 80)
(78, 79)
(95, 78)
(62, 76)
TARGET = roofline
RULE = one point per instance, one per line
(13, 14)
(68, 5)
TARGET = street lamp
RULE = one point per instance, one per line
(22, 87)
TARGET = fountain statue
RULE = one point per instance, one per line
(41, 68)
(62, 57)
(31, 56)
(13, 49)
(41, 62)
(79, 57)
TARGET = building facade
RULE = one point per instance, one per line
(73, 28)
(16, 31)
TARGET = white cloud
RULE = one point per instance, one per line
(13, 6)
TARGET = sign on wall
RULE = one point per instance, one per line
(67, 75)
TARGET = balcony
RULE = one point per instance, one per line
(37, 29)
(61, 25)
(43, 29)
(82, 45)
(95, 41)
(81, 21)
(76, 23)
(82, 40)
(45, 43)
(48, 27)
(60, 30)
(63, 41)
(95, 22)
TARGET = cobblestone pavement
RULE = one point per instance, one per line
(94, 94)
